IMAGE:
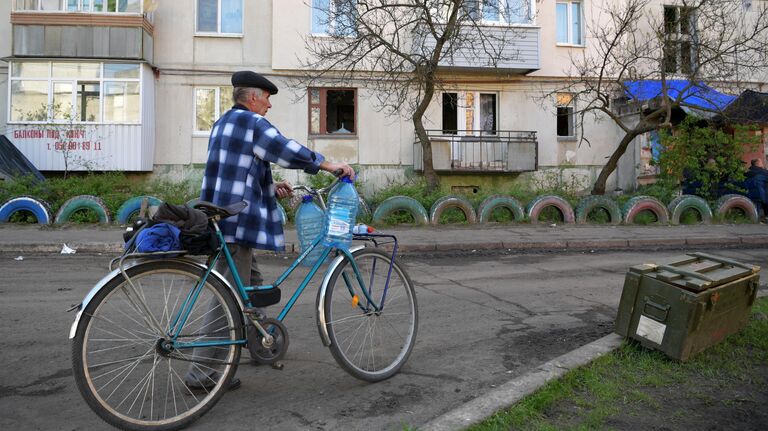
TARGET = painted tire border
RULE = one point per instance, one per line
(133, 205)
(80, 202)
(537, 205)
(396, 203)
(592, 202)
(679, 204)
(732, 201)
(640, 203)
(452, 201)
(489, 204)
(38, 207)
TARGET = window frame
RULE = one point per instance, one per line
(675, 40)
(51, 80)
(330, 26)
(461, 112)
(503, 18)
(572, 123)
(569, 19)
(218, 111)
(218, 32)
(63, 8)
(322, 105)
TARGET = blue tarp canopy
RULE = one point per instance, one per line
(697, 96)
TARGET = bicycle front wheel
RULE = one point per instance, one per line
(371, 344)
(124, 365)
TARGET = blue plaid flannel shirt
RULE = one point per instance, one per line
(241, 147)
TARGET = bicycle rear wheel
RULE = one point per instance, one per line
(371, 345)
(122, 364)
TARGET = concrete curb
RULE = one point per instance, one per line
(581, 244)
(516, 389)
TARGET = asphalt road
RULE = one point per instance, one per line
(484, 319)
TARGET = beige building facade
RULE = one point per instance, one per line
(141, 82)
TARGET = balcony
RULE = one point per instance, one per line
(515, 49)
(476, 151)
(83, 34)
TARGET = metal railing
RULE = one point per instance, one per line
(480, 151)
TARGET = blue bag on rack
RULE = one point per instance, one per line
(158, 237)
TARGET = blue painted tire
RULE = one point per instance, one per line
(684, 202)
(401, 203)
(452, 201)
(491, 203)
(537, 205)
(593, 202)
(83, 202)
(132, 207)
(39, 208)
(733, 201)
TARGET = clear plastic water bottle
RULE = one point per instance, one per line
(362, 229)
(342, 212)
(310, 224)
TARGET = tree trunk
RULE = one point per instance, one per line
(433, 182)
(613, 161)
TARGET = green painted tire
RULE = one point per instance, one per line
(132, 206)
(729, 202)
(589, 203)
(637, 204)
(398, 203)
(491, 203)
(537, 205)
(83, 202)
(192, 202)
(452, 201)
(684, 202)
(38, 207)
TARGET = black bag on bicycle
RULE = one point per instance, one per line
(197, 236)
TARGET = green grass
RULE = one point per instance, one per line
(617, 383)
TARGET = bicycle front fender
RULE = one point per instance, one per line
(321, 323)
(116, 273)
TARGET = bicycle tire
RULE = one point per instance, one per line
(342, 315)
(105, 371)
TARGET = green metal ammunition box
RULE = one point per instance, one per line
(686, 304)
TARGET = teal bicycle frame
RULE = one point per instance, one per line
(181, 317)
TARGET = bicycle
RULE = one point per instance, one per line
(158, 318)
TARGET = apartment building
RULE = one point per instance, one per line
(135, 86)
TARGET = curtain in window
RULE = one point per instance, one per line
(562, 23)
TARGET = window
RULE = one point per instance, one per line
(109, 6)
(335, 17)
(569, 23)
(220, 17)
(679, 29)
(503, 11)
(470, 113)
(332, 111)
(566, 127)
(210, 103)
(75, 92)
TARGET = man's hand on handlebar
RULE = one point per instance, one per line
(345, 169)
(283, 189)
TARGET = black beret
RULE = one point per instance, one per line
(246, 78)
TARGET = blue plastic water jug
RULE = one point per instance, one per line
(310, 224)
(342, 212)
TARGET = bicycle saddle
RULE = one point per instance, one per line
(212, 210)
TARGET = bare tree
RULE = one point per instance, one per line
(720, 43)
(398, 48)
